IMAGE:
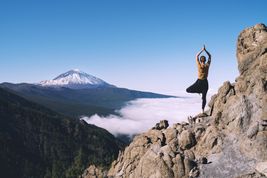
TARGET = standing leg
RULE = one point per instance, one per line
(204, 99)
(204, 94)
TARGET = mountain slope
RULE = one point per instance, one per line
(37, 142)
(77, 102)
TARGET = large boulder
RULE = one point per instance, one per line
(187, 139)
(252, 46)
(93, 172)
(262, 168)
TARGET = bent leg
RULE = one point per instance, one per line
(194, 88)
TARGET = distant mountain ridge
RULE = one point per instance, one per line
(76, 93)
(75, 79)
(77, 102)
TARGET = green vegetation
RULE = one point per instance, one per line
(77, 102)
(37, 142)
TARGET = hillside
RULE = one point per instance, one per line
(77, 102)
(230, 141)
(37, 142)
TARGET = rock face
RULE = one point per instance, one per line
(156, 153)
(93, 172)
(229, 142)
(251, 48)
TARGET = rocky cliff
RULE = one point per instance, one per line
(229, 141)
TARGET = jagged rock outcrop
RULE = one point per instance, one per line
(157, 153)
(229, 141)
(239, 109)
(93, 172)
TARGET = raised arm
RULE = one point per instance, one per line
(209, 60)
(197, 56)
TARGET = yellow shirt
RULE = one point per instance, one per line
(203, 71)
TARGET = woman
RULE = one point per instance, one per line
(201, 85)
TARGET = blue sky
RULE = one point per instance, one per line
(139, 44)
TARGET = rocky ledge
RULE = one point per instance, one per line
(230, 140)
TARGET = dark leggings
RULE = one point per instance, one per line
(200, 86)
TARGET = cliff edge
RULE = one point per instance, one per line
(230, 142)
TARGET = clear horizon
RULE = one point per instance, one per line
(142, 45)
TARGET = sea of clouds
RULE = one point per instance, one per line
(142, 114)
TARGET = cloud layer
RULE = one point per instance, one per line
(141, 114)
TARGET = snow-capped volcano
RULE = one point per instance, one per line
(75, 79)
